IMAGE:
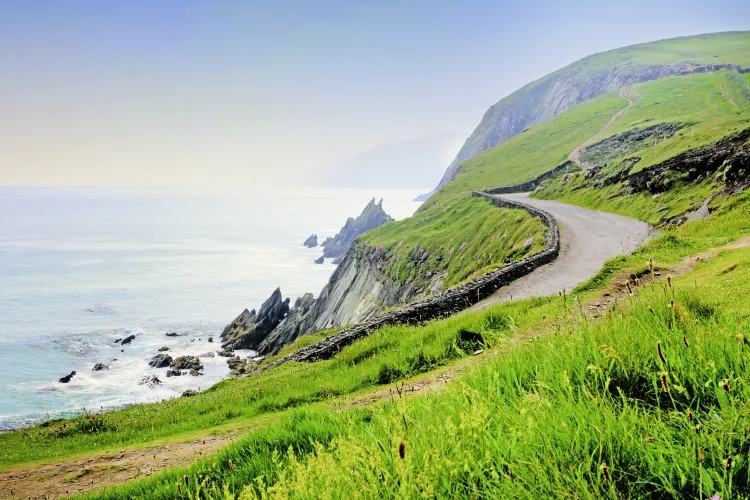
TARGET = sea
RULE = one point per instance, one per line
(83, 267)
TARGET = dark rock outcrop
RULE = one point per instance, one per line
(371, 217)
(320, 260)
(226, 353)
(311, 241)
(306, 299)
(66, 378)
(127, 339)
(151, 381)
(100, 366)
(186, 363)
(249, 329)
(173, 373)
(290, 328)
(160, 361)
(173, 334)
(210, 339)
(163, 349)
(239, 367)
(189, 393)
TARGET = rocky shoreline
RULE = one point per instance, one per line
(276, 323)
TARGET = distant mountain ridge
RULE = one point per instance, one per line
(595, 75)
(404, 164)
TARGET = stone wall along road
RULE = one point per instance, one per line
(450, 302)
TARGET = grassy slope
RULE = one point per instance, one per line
(713, 103)
(539, 149)
(467, 238)
(583, 414)
(712, 106)
(701, 49)
(539, 419)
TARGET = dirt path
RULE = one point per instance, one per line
(575, 155)
(69, 477)
(588, 238)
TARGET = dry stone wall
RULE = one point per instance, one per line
(450, 302)
(531, 185)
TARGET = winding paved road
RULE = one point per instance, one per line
(588, 238)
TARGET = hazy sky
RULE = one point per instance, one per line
(241, 93)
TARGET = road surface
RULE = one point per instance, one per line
(588, 238)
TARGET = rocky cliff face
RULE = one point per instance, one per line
(371, 217)
(548, 96)
(357, 291)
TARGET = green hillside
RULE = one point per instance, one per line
(702, 108)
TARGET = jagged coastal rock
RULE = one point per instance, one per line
(311, 241)
(151, 381)
(160, 361)
(290, 328)
(186, 363)
(66, 378)
(126, 340)
(320, 260)
(358, 290)
(250, 328)
(371, 217)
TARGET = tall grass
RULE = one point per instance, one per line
(596, 413)
(651, 401)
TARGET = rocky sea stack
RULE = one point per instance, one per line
(371, 217)
(311, 241)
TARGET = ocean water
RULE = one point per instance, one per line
(80, 268)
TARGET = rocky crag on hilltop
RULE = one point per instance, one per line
(371, 217)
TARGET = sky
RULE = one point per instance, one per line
(237, 94)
